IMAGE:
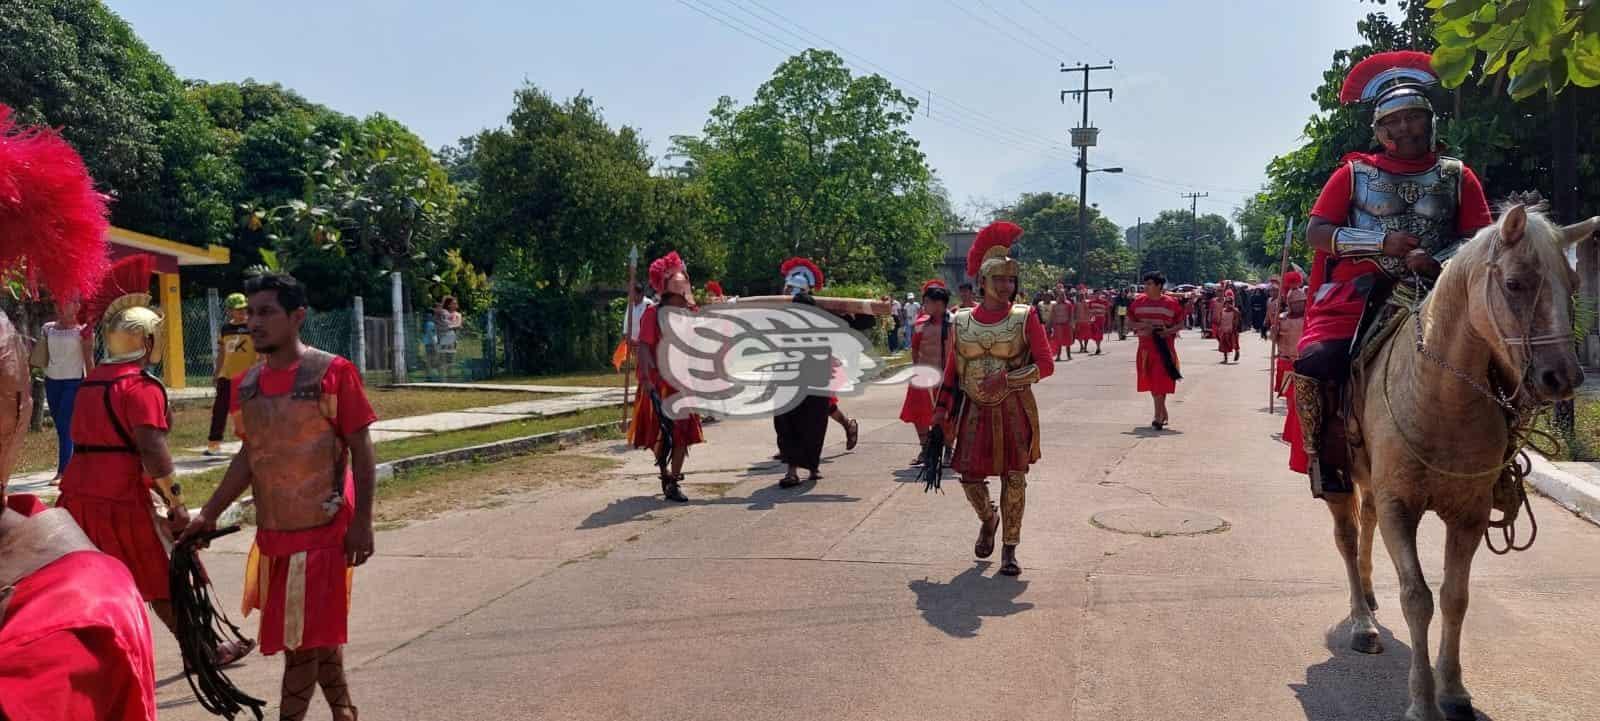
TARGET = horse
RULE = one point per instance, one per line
(1438, 406)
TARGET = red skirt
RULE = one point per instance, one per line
(1151, 373)
(992, 440)
(302, 583)
(126, 531)
(918, 407)
(1284, 367)
(645, 430)
(1060, 335)
(1227, 340)
(1291, 433)
(1088, 330)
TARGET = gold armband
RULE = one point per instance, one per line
(171, 491)
(1024, 376)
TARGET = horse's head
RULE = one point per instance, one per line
(1519, 298)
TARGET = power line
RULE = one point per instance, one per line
(1044, 41)
(1020, 41)
(1063, 28)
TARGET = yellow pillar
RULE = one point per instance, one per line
(172, 371)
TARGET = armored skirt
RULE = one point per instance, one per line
(994, 440)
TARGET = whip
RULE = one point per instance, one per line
(201, 629)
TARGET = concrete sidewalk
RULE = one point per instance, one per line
(189, 461)
(856, 598)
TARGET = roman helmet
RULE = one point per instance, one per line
(664, 274)
(800, 275)
(1391, 82)
(991, 252)
(122, 307)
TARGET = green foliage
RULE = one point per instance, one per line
(1537, 44)
(1051, 235)
(819, 165)
(1037, 275)
(1190, 250)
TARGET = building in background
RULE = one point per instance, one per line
(170, 257)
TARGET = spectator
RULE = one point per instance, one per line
(447, 320)
(895, 319)
(236, 352)
(66, 355)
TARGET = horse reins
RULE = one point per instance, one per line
(1520, 420)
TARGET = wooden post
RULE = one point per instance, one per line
(627, 331)
(214, 324)
(1283, 269)
(172, 360)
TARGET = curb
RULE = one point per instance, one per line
(494, 451)
(1575, 494)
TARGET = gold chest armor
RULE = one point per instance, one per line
(984, 348)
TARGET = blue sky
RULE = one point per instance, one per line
(1206, 93)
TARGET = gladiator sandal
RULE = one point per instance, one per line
(1008, 561)
(1013, 500)
(670, 490)
(988, 515)
(1308, 409)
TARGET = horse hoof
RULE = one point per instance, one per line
(1366, 642)
(1457, 709)
(1372, 602)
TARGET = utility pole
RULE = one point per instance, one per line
(1138, 235)
(1083, 138)
(1194, 229)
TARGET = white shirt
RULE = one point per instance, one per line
(66, 351)
(638, 315)
(912, 310)
(894, 309)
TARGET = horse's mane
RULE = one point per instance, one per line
(1545, 236)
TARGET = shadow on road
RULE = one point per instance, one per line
(1148, 432)
(1354, 686)
(958, 607)
(640, 508)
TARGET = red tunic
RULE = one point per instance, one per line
(645, 430)
(1152, 375)
(75, 642)
(1099, 314)
(1061, 324)
(1014, 421)
(107, 493)
(1225, 328)
(1335, 311)
(1082, 321)
(918, 406)
(328, 578)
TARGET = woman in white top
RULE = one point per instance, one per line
(447, 321)
(68, 357)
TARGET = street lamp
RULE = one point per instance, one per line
(1083, 207)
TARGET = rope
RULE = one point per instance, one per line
(201, 628)
(933, 460)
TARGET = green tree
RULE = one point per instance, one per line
(819, 164)
(1192, 251)
(1537, 44)
(1051, 234)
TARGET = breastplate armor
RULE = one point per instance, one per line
(297, 459)
(1423, 204)
(985, 348)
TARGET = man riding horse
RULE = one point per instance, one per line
(1382, 217)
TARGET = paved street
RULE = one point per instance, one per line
(857, 598)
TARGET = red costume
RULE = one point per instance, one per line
(74, 639)
(1099, 315)
(1166, 311)
(1225, 325)
(294, 423)
(1082, 320)
(645, 430)
(931, 340)
(1288, 322)
(105, 487)
(1061, 314)
(1001, 438)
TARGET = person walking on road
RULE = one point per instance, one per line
(65, 354)
(668, 438)
(1156, 319)
(930, 341)
(1001, 351)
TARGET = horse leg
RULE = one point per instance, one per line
(1461, 543)
(1369, 524)
(1363, 627)
(1399, 524)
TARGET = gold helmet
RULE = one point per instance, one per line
(991, 251)
(123, 307)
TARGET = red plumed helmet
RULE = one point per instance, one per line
(1293, 279)
(935, 283)
(1371, 76)
(129, 275)
(798, 270)
(993, 241)
(663, 268)
(714, 288)
(52, 220)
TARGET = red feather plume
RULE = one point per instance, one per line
(663, 268)
(1000, 232)
(1293, 279)
(935, 283)
(129, 275)
(1369, 68)
(52, 220)
(792, 263)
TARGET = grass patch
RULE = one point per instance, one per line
(1584, 445)
(191, 421)
(423, 445)
(430, 491)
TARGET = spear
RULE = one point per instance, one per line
(1283, 269)
(627, 334)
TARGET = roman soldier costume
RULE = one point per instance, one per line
(1437, 199)
(1286, 328)
(1060, 324)
(930, 339)
(651, 428)
(1225, 326)
(74, 640)
(1000, 352)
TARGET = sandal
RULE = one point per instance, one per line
(1008, 562)
(231, 652)
(916, 462)
(985, 544)
(852, 434)
(789, 480)
(670, 489)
